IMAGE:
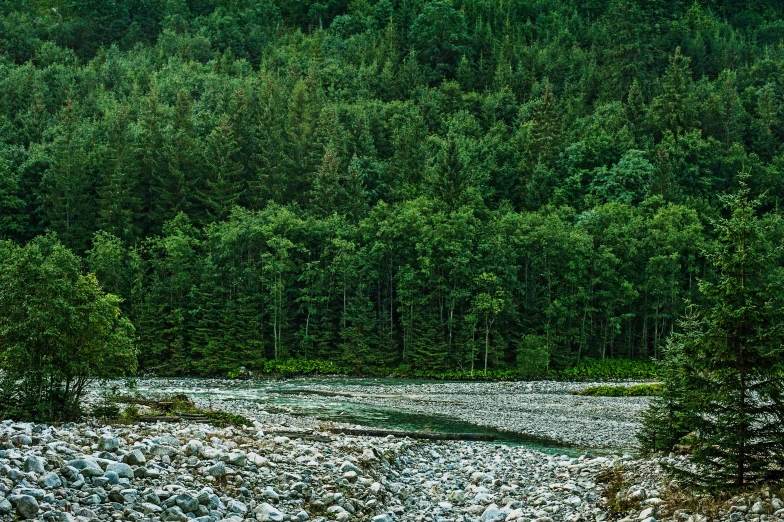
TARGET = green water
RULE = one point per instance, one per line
(298, 398)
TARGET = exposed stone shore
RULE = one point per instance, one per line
(196, 472)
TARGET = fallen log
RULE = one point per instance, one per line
(304, 435)
(193, 417)
(158, 418)
(426, 435)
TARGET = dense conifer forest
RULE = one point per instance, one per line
(433, 186)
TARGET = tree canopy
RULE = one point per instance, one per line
(431, 185)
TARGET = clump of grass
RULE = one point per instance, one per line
(614, 486)
(638, 390)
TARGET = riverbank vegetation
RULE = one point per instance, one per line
(637, 390)
(436, 188)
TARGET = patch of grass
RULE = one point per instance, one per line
(614, 485)
(638, 390)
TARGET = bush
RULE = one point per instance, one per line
(58, 332)
(638, 390)
(610, 369)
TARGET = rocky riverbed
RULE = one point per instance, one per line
(196, 472)
(540, 408)
(544, 409)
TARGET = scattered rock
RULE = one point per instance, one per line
(26, 506)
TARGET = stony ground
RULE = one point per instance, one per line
(196, 472)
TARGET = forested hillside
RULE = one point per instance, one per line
(432, 185)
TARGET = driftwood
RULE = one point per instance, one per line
(427, 435)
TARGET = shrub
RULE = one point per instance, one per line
(610, 369)
(638, 390)
(58, 332)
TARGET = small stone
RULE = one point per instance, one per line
(86, 513)
(218, 470)
(174, 514)
(25, 505)
(87, 466)
(64, 516)
(129, 495)
(162, 450)
(187, 502)
(238, 459)
(194, 448)
(151, 509)
(21, 440)
(204, 497)
(646, 513)
(348, 466)
(50, 481)
(493, 514)
(112, 477)
(235, 506)
(108, 443)
(123, 470)
(271, 494)
(267, 513)
(35, 465)
(386, 517)
(135, 458)
(99, 482)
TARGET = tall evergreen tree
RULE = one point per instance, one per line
(732, 348)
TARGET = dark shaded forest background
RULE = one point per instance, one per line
(427, 185)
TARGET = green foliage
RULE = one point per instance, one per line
(610, 369)
(295, 367)
(454, 187)
(637, 390)
(58, 332)
(130, 413)
(223, 419)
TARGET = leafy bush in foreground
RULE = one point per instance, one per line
(58, 332)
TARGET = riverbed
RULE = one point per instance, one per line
(542, 415)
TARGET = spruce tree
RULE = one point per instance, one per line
(733, 397)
